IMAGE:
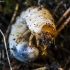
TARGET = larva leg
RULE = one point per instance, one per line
(44, 50)
(37, 41)
(28, 31)
(63, 16)
(30, 39)
(19, 39)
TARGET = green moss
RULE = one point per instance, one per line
(9, 6)
(28, 2)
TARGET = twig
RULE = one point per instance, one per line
(3, 19)
(42, 68)
(6, 49)
(34, 64)
(63, 16)
(2, 63)
(39, 2)
(64, 49)
(13, 17)
(60, 3)
(67, 63)
(62, 26)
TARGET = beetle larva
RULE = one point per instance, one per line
(21, 50)
(41, 24)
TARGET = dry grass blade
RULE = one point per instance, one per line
(6, 49)
(64, 15)
(12, 19)
(60, 3)
(62, 26)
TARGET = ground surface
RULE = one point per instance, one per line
(58, 53)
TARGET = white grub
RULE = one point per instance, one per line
(35, 18)
(21, 50)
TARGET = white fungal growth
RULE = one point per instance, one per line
(21, 50)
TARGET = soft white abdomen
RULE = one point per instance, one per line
(21, 50)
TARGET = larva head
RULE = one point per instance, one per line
(48, 33)
(24, 53)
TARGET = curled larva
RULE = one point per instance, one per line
(21, 50)
(41, 24)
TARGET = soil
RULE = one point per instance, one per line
(58, 53)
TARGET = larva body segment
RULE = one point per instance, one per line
(37, 17)
(21, 50)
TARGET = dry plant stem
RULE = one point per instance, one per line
(41, 68)
(63, 25)
(6, 49)
(60, 3)
(64, 15)
(3, 19)
(13, 17)
(39, 2)
(15, 12)
(67, 63)
(16, 66)
(34, 64)
(64, 49)
(1, 62)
